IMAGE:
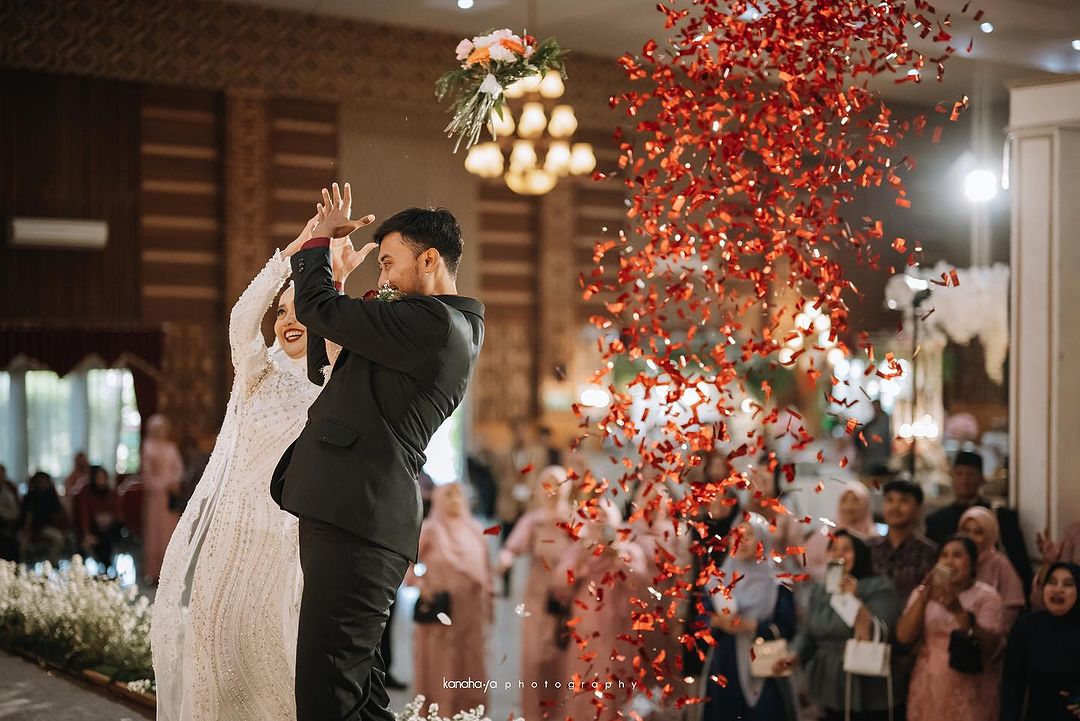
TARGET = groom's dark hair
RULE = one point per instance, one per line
(424, 228)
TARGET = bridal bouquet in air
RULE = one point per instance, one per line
(489, 64)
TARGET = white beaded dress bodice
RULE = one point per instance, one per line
(226, 610)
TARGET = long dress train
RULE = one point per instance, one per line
(225, 616)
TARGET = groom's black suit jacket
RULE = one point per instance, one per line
(403, 369)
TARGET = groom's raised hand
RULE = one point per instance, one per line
(335, 210)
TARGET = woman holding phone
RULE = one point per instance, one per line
(819, 646)
(960, 622)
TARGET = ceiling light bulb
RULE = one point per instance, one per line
(532, 121)
(531, 84)
(582, 160)
(563, 123)
(552, 85)
(558, 156)
(465, 4)
(503, 122)
(987, 27)
(523, 155)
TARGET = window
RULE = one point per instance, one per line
(6, 441)
(445, 462)
(48, 423)
(113, 433)
(46, 419)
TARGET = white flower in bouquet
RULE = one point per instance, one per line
(491, 85)
(464, 48)
(501, 54)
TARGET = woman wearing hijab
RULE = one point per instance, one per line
(604, 572)
(710, 544)
(994, 568)
(98, 521)
(454, 556)
(759, 607)
(953, 600)
(537, 535)
(161, 471)
(664, 540)
(1042, 658)
(1067, 550)
(853, 514)
(824, 634)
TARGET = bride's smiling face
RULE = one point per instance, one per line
(291, 333)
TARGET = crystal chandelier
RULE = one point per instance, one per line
(538, 148)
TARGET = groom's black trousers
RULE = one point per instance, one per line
(349, 584)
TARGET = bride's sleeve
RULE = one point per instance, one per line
(246, 344)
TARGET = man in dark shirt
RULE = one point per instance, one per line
(903, 555)
(967, 475)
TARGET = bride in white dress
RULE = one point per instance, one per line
(225, 614)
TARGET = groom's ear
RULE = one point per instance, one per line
(430, 259)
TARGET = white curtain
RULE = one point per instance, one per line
(48, 424)
(105, 393)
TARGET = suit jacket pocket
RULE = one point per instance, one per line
(334, 432)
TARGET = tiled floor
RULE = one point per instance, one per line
(30, 693)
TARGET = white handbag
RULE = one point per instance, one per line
(868, 658)
(764, 655)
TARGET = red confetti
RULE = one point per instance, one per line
(493, 530)
(747, 141)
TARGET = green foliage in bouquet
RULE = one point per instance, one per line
(491, 63)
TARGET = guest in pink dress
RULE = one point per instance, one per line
(603, 572)
(952, 599)
(1065, 551)
(665, 545)
(162, 468)
(537, 535)
(994, 567)
(853, 514)
(454, 556)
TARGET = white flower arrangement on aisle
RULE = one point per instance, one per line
(414, 711)
(76, 620)
(489, 64)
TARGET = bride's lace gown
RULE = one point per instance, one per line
(225, 614)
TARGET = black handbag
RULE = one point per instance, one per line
(427, 610)
(561, 612)
(965, 655)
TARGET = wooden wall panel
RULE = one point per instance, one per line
(68, 149)
(507, 378)
(182, 260)
(181, 214)
(303, 159)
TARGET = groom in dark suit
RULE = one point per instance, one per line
(351, 476)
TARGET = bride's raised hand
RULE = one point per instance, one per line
(305, 235)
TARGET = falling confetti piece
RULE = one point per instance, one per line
(493, 530)
(520, 611)
(443, 619)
